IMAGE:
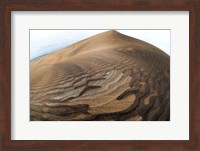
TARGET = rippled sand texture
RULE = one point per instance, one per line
(109, 76)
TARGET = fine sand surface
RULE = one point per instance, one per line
(109, 76)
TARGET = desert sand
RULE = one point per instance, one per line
(109, 76)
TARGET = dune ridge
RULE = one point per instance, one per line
(109, 76)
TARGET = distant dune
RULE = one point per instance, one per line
(109, 76)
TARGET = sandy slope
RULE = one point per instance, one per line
(109, 76)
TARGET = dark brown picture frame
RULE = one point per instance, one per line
(193, 6)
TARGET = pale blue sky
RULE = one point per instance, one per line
(46, 41)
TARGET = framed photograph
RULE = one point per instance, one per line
(93, 75)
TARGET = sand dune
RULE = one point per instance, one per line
(109, 76)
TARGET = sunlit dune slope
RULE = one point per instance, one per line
(109, 76)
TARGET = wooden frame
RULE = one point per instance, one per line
(193, 6)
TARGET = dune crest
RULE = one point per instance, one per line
(109, 76)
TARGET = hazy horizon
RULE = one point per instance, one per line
(43, 42)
